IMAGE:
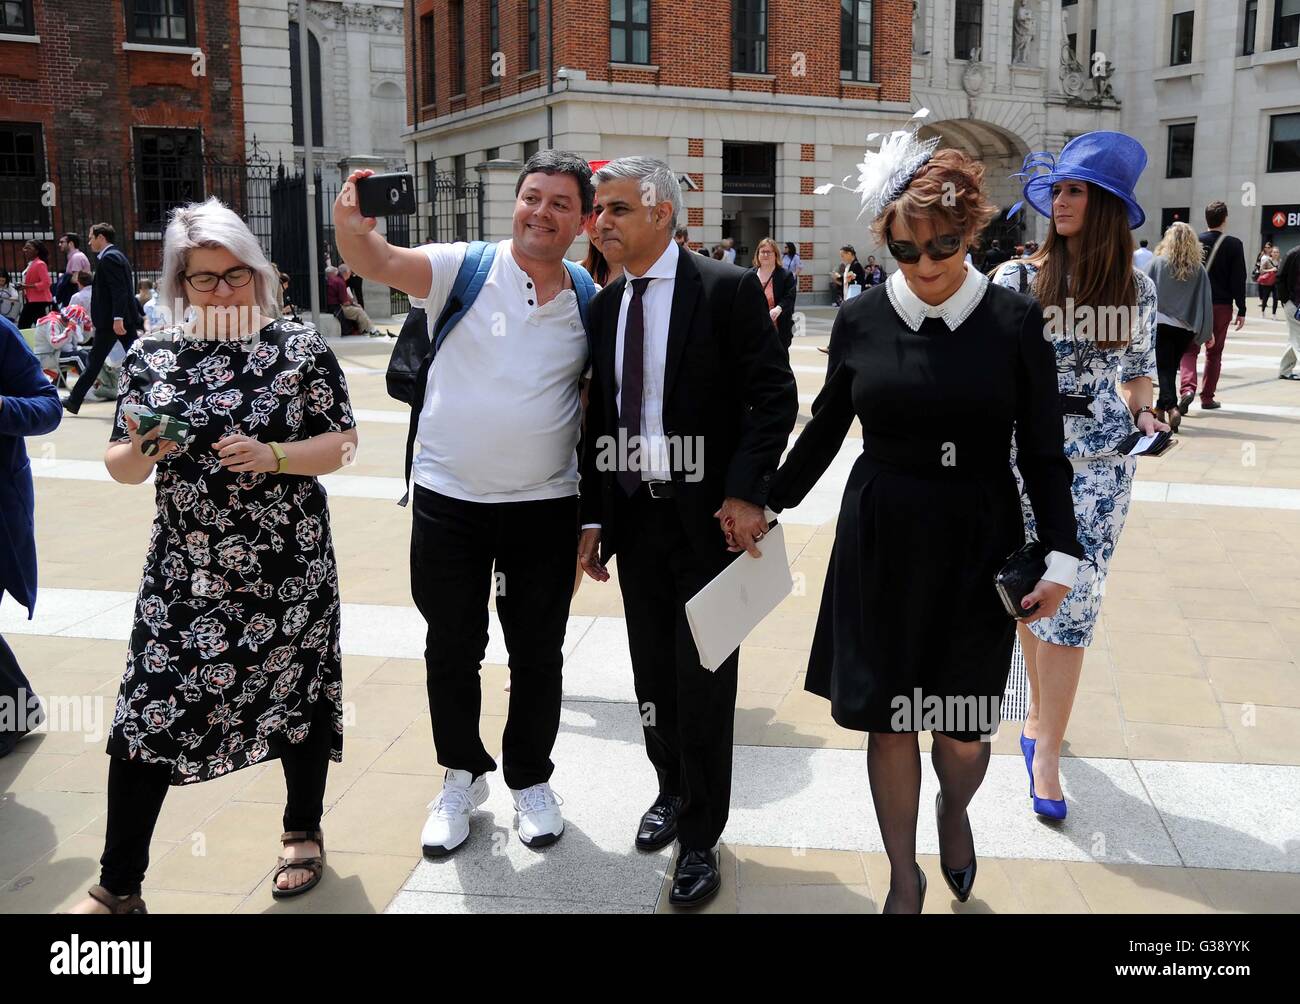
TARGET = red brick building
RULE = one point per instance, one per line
(754, 101)
(115, 110)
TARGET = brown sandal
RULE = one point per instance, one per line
(315, 865)
(116, 904)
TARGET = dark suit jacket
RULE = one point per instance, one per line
(31, 408)
(784, 288)
(112, 294)
(727, 381)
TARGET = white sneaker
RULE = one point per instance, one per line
(537, 815)
(448, 822)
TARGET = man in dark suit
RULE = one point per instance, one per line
(114, 310)
(692, 401)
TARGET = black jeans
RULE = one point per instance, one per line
(1171, 343)
(534, 547)
(687, 713)
(99, 350)
(136, 791)
(1264, 293)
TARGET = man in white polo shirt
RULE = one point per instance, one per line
(496, 485)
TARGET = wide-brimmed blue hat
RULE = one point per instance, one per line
(1109, 160)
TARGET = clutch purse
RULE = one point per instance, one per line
(1019, 575)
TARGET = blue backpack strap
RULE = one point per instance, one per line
(474, 269)
(584, 288)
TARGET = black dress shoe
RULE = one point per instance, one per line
(68, 408)
(1185, 402)
(696, 880)
(1210, 405)
(658, 826)
(960, 880)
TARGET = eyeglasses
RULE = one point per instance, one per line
(940, 248)
(206, 282)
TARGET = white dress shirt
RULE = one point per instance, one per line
(1061, 567)
(657, 308)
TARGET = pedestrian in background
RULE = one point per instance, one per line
(11, 300)
(75, 261)
(35, 285)
(1225, 261)
(1288, 291)
(234, 656)
(1266, 277)
(790, 261)
(114, 311)
(1184, 311)
(29, 406)
(779, 288)
(1143, 255)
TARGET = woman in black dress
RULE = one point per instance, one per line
(941, 368)
(234, 658)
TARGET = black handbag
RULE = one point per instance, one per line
(1019, 575)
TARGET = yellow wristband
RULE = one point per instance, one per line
(280, 456)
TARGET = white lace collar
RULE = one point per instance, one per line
(954, 310)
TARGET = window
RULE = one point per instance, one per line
(22, 173)
(1168, 217)
(492, 43)
(749, 36)
(428, 86)
(168, 172)
(458, 172)
(160, 22)
(629, 31)
(1181, 50)
(969, 29)
(1182, 141)
(1284, 143)
(456, 9)
(530, 57)
(492, 153)
(16, 17)
(1286, 24)
(1248, 39)
(530, 148)
(855, 39)
(295, 88)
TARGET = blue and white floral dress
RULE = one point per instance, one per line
(1103, 479)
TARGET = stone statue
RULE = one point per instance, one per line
(1022, 32)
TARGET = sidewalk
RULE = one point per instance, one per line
(1183, 748)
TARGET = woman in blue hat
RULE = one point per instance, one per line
(1101, 318)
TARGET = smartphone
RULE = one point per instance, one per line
(386, 195)
(169, 427)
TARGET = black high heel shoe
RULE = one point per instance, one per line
(920, 881)
(960, 880)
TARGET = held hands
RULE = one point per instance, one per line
(165, 446)
(589, 555)
(347, 212)
(743, 525)
(1049, 596)
(241, 453)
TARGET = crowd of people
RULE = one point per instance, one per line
(1009, 432)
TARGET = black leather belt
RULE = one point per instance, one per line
(660, 489)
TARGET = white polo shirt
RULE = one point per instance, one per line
(501, 412)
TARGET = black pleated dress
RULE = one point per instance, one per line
(909, 617)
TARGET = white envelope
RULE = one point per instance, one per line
(724, 612)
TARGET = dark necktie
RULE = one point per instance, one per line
(633, 385)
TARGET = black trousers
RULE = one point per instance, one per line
(17, 693)
(454, 548)
(99, 350)
(687, 713)
(136, 791)
(1264, 293)
(33, 312)
(1171, 343)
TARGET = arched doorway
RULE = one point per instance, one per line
(1003, 154)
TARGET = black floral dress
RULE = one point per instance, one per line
(236, 633)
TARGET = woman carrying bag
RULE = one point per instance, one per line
(1105, 359)
(941, 367)
(778, 286)
(1185, 313)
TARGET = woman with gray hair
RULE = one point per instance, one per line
(234, 655)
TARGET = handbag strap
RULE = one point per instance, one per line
(1214, 251)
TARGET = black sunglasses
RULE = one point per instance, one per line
(940, 248)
